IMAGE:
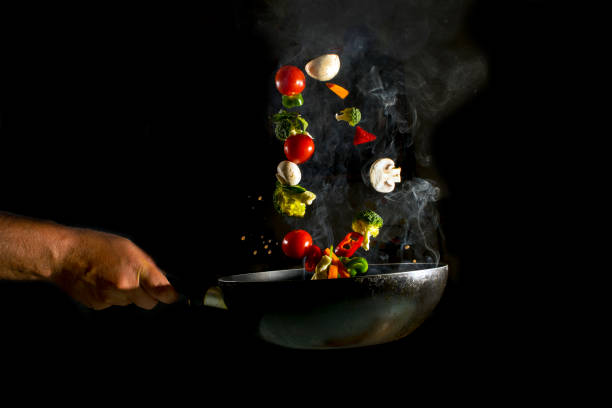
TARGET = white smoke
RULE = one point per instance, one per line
(406, 65)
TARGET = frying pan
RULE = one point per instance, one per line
(288, 309)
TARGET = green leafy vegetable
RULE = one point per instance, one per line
(287, 124)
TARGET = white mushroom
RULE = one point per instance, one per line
(323, 68)
(288, 173)
(384, 175)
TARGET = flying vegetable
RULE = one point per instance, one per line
(288, 173)
(287, 124)
(351, 243)
(324, 67)
(368, 224)
(331, 266)
(290, 82)
(384, 175)
(291, 200)
(350, 115)
(355, 265)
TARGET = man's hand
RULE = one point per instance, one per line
(102, 270)
(96, 268)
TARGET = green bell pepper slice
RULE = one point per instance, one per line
(357, 265)
(292, 101)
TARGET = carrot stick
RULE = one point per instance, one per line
(333, 272)
(330, 252)
(334, 257)
(338, 90)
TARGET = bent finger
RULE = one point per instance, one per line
(155, 283)
(141, 298)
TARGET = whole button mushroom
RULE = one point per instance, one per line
(384, 175)
(288, 173)
(323, 68)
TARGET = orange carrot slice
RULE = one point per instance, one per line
(333, 272)
(338, 90)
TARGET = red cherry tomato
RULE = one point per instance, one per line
(313, 258)
(290, 80)
(299, 148)
(296, 244)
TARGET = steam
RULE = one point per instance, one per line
(406, 65)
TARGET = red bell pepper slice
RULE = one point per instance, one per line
(349, 244)
(361, 136)
(313, 258)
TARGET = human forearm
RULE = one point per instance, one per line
(96, 268)
(31, 249)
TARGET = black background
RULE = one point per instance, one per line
(130, 120)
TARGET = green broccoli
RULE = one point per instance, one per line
(287, 124)
(291, 200)
(350, 115)
(367, 223)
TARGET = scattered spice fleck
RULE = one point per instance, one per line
(269, 252)
(269, 240)
(414, 261)
(259, 198)
(242, 238)
(407, 247)
(262, 237)
(255, 252)
(265, 247)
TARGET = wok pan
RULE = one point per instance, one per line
(286, 308)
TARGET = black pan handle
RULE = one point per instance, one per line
(194, 296)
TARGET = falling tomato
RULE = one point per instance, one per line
(290, 80)
(297, 244)
(299, 148)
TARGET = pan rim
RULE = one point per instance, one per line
(432, 266)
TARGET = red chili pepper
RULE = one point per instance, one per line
(361, 136)
(349, 244)
(313, 258)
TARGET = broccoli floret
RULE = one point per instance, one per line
(368, 224)
(370, 217)
(350, 115)
(287, 124)
(291, 200)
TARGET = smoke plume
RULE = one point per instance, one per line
(406, 65)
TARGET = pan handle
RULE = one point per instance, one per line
(213, 296)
